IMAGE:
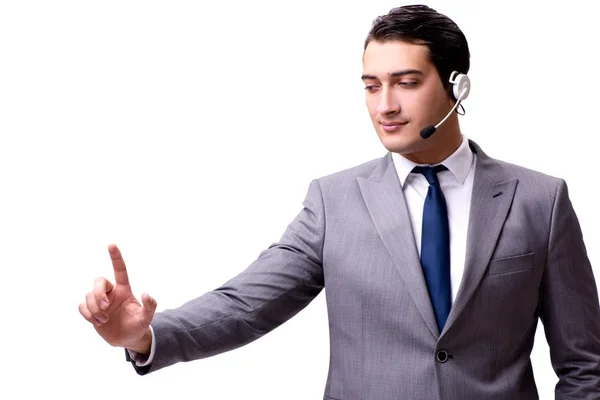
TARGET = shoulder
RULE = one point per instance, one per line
(348, 177)
(528, 176)
(536, 193)
(342, 185)
(529, 179)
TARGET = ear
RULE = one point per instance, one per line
(459, 84)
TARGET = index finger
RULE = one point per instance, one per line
(118, 263)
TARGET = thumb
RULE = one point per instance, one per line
(149, 307)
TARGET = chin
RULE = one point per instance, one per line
(402, 144)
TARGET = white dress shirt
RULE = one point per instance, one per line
(457, 186)
(140, 359)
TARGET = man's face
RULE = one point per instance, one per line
(404, 94)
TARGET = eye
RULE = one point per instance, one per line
(371, 88)
(407, 83)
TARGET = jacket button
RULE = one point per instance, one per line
(442, 356)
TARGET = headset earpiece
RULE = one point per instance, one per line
(459, 82)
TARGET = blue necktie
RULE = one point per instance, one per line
(435, 245)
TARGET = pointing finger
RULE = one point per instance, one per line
(121, 277)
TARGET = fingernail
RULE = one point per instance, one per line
(97, 323)
(102, 318)
(103, 304)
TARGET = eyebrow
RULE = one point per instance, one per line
(395, 74)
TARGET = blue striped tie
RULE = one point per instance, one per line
(435, 245)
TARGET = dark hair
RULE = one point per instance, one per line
(419, 24)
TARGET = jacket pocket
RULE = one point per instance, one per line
(512, 264)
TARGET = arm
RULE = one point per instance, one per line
(279, 284)
(569, 306)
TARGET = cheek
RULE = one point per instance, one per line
(372, 104)
(423, 105)
(412, 105)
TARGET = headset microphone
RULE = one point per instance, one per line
(461, 86)
(428, 131)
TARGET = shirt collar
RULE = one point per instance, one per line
(459, 163)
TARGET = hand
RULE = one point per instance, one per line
(115, 312)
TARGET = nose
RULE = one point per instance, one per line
(388, 104)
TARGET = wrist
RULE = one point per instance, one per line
(143, 345)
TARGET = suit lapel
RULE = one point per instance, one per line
(385, 201)
(490, 202)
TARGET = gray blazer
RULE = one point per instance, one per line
(525, 259)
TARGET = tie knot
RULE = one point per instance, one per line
(430, 173)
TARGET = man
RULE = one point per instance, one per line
(437, 260)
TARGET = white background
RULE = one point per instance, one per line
(188, 134)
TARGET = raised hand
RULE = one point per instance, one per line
(116, 314)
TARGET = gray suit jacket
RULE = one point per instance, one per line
(525, 259)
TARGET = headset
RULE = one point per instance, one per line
(460, 86)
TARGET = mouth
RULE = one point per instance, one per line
(392, 126)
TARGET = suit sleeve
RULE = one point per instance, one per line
(284, 279)
(569, 305)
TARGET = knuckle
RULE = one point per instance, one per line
(100, 285)
(101, 316)
(92, 305)
(85, 313)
